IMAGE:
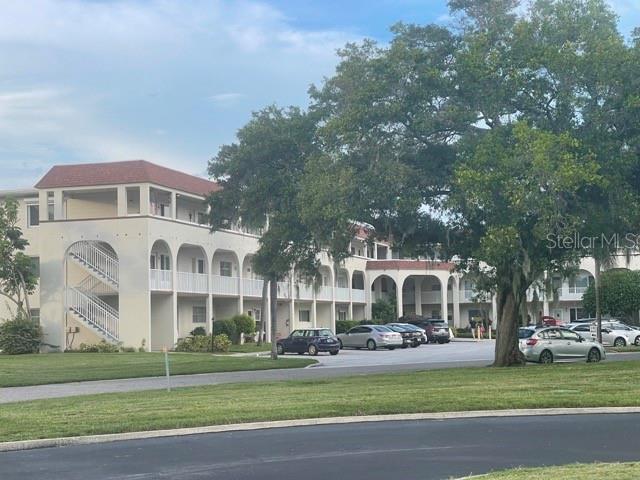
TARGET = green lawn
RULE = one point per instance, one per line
(568, 385)
(18, 370)
(610, 471)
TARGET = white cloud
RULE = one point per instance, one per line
(106, 80)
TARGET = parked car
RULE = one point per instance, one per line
(524, 333)
(421, 331)
(410, 337)
(550, 344)
(311, 341)
(616, 334)
(437, 329)
(371, 337)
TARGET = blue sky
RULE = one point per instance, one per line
(169, 80)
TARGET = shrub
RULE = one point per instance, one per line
(343, 326)
(244, 324)
(227, 327)
(202, 344)
(20, 336)
(374, 321)
(198, 332)
(101, 347)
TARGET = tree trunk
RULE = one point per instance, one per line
(507, 351)
(263, 311)
(273, 295)
(596, 287)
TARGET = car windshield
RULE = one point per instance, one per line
(525, 332)
(411, 328)
(326, 333)
(382, 328)
(397, 328)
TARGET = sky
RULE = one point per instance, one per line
(170, 81)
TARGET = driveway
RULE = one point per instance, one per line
(457, 351)
(368, 451)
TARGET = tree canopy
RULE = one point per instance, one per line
(619, 295)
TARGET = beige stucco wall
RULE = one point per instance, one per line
(102, 204)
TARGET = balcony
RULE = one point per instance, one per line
(303, 291)
(161, 280)
(193, 282)
(571, 293)
(324, 293)
(342, 294)
(358, 296)
(221, 285)
(284, 290)
(252, 287)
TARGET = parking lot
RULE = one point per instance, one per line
(456, 351)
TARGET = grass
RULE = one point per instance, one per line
(610, 471)
(250, 348)
(20, 370)
(568, 385)
(628, 348)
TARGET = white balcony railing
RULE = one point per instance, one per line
(252, 287)
(357, 296)
(303, 291)
(342, 294)
(193, 282)
(226, 285)
(324, 293)
(571, 293)
(160, 279)
(284, 290)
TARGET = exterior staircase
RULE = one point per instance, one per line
(97, 260)
(83, 300)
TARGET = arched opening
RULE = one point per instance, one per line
(160, 267)
(474, 305)
(384, 299)
(225, 269)
(192, 270)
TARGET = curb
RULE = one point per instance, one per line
(240, 427)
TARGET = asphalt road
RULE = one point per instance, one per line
(408, 450)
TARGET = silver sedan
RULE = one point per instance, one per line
(551, 344)
(371, 337)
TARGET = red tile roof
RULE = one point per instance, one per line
(119, 173)
(408, 265)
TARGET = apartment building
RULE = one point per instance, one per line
(124, 255)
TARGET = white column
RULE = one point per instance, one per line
(399, 299)
(417, 283)
(494, 310)
(58, 207)
(314, 312)
(174, 206)
(176, 331)
(456, 302)
(368, 298)
(292, 305)
(210, 312)
(444, 303)
(122, 201)
(145, 200)
(267, 317)
(43, 205)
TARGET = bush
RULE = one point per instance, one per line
(374, 321)
(20, 336)
(343, 326)
(226, 327)
(244, 324)
(202, 344)
(101, 347)
(198, 332)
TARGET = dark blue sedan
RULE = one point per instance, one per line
(311, 341)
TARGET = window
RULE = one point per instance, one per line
(297, 333)
(383, 284)
(50, 212)
(35, 315)
(257, 314)
(569, 335)
(304, 315)
(435, 287)
(326, 333)
(225, 269)
(152, 262)
(199, 314)
(342, 315)
(576, 313)
(202, 218)
(197, 265)
(353, 250)
(33, 215)
(165, 262)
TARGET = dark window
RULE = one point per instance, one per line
(33, 215)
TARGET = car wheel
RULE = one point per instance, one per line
(371, 344)
(546, 356)
(280, 349)
(334, 352)
(313, 350)
(404, 345)
(415, 344)
(620, 342)
(593, 356)
(441, 342)
(391, 348)
(340, 343)
(637, 342)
